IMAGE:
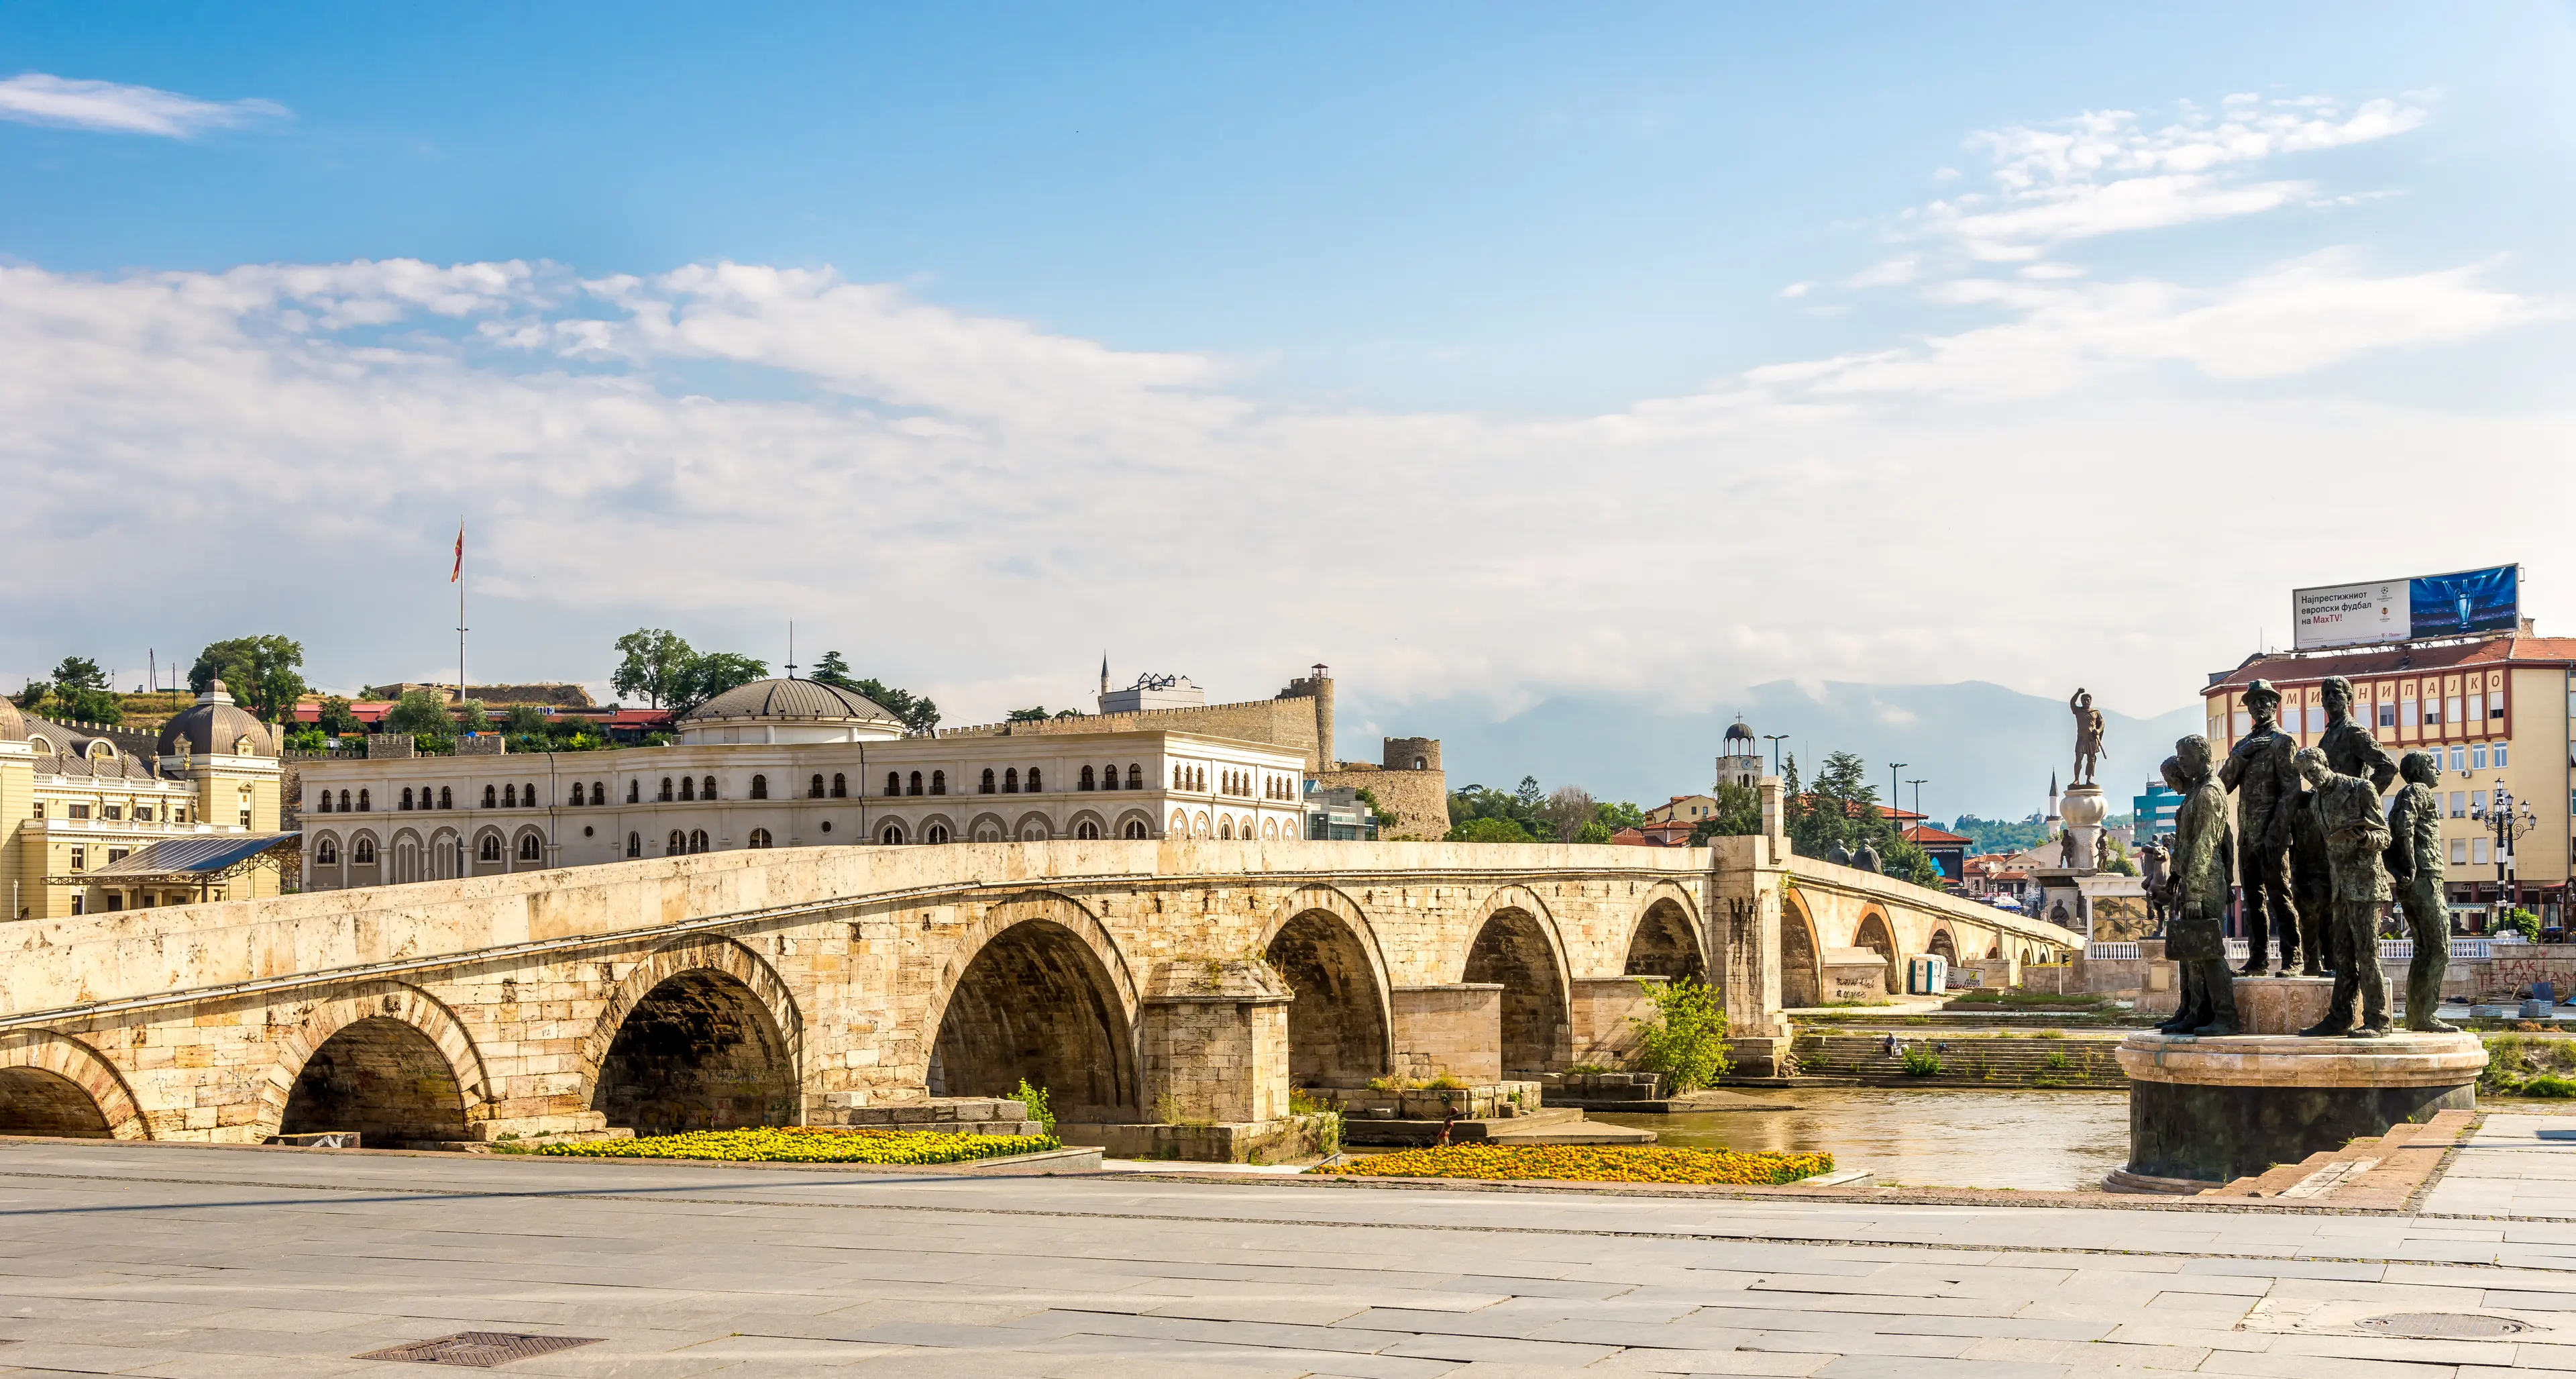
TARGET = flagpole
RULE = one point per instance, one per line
(460, 612)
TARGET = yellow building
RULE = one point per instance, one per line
(99, 819)
(2494, 712)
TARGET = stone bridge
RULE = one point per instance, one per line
(1140, 981)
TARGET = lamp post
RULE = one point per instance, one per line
(1892, 768)
(1917, 783)
(1775, 739)
(2509, 824)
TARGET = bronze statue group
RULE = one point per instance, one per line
(2316, 859)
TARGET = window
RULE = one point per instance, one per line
(894, 782)
(2478, 757)
(914, 784)
(939, 782)
(2477, 706)
(364, 854)
(707, 789)
(326, 801)
(143, 813)
(446, 798)
(892, 834)
(1087, 828)
(509, 797)
(688, 787)
(80, 858)
(328, 854)
(634, 792)
(2459, 760)
(2459, 852)
(2477, 852)
(2459, 804)
(491, 797)
(1011, 780)
(814, 788)
(1135, 828)
(1087, 780)
(937, 833)
(987, 787)
(1034, 787)
(760, 787)
(840, 786)
(531, 848)
(2244, 723)
(759, 838)
(2499, 756)
(697, 840)
(490, 850)
(406, 799)
(2451, 708)
(1422, 763)
(1225, 828)
(599, 792)
(666, 788)
(363, 804)
(1136, 779)
(676, 844)
(634, 844)
(1180, 778)
(2387, 716)
(2406, 713)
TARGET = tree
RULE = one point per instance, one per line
(471, 716)
(1739, 813)
(712, 674)
(263, 674)
(422, 713)
(1685, 1039)
(337, 720)
(1615, 815)
(1031, 715)
(1488, 831)
(526, 720)
(80, 694)
(79, 672)
(1593, 831)
(915, 712)
(32, 695)
(1567, 811)
(655, 664)
(834, 671)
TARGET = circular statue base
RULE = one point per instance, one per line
(2204, 1112)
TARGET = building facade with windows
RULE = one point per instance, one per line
(785, 763)
(76, 800)
(2495, 712)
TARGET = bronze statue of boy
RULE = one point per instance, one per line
(2356, 839)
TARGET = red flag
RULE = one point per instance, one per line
(455, 574)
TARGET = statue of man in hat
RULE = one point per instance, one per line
(2356, 841)
(2192, 938)
(2258, 769)
(2415, 864)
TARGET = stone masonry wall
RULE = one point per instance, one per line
(1417, 802)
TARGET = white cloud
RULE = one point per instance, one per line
(1797, 289)
(1888, 272)
(38, 98)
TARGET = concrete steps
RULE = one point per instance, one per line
(2375, 1172)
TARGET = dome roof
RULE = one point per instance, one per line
(213, 725)
(1739, 733)
(13, 724)
(801, 700)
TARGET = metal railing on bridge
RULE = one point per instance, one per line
(2390, 950)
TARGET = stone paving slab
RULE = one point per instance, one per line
(173, 1262)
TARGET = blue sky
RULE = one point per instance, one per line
(1489, 353)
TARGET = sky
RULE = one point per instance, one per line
(1494, 355)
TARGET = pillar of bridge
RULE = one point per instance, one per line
(1746, 878)
(1212, 1044)
(1454, 1028)
(1605, 1013)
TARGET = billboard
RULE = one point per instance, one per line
(2464, 603)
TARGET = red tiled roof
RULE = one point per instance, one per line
(1920, 834)
(2513, 648)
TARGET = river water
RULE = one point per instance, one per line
(1931, 1138)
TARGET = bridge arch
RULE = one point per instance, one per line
(700, 1035)
(53, 1084)
(1877, 933)
(383, 1058)
(1666, 940)
(1802, 954)
(1037, 989)
(1341, 1027)
(1942, 944)
(1515, 944)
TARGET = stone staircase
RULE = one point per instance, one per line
(2011, 1061)
(2374, 1172)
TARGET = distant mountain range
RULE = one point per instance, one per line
(1979, 748)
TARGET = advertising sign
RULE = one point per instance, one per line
(2465, 603)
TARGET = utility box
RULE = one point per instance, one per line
(1927, 974)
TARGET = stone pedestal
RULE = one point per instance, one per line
(2281, 1005)
(2083, 809)
(2204, 1112)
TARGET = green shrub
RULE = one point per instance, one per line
(1039, 1110)
(2056, 1061)
(1685, 1039)
(1922, 1063)
(1446, 1082)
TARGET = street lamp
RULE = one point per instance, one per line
(1775, 739)
(2509, 824)
(1892, 768)
(1918, 795)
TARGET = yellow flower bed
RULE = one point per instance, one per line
(810, 1144)
(1590, 1163)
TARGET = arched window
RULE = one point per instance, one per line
(1180, 777)
(939, 782)
(759, 838)
(634, 844)
(599, 792)
(840, 786)
(364, 853)
(1225, 828)
(666, 789)
(491, 797)
(1010, 780)
(938, 833)
(707, 790)
(445, 799)
(987, 787)
(1422, 763)
(892, 833)
(509, 797)
(531, 848)
(1269, 828)
(676, 844)
(1086, 782)
(688, 787)
(1109, 776)
(1135, 828)
(324, 809)
(894, 782)
(759, 789)
(697, 840)
(328, 854)
(1086, 829)
(405, 802)
(1034, 787)
(814, 790)
(363, 806)
(490, 851)
(634, 792)
(914, 786)
(528, 795)
(1136, 778)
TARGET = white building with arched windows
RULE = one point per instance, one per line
(784, 763)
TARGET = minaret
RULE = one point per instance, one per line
(1104, 672)
(2052, 797)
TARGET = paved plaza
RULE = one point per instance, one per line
(185, 1261)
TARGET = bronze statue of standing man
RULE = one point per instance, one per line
(2415, 864)
(2258, 769)
(2192, 938)
(2356, 839)
(2088, 737)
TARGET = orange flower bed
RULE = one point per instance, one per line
(1590, 1163)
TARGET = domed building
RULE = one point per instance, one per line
(788, 710)
(95, 819)
(1739, 760)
